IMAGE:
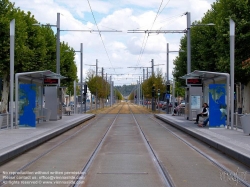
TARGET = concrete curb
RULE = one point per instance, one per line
(245, 159)
(18, 150)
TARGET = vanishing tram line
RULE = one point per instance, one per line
(162, 173)
(206, 156)
(83, 173)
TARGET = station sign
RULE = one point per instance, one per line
(50, 81)
(194, 81)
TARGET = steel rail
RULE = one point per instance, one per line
(49, 150)
(223, 168)
(161, 169)
(78, 179)
(238, 178)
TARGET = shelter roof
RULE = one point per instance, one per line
(205, 75)
(39, 75)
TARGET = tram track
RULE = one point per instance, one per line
(162, 170)
(4, 180)
(158, 168)
(222, 167)
(78, 179)
(125, 143)
(216, 163)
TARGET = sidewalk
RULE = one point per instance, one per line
(231, 142)
(14, 142)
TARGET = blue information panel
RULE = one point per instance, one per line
(27, 101)
(217, 105)
(167, 96)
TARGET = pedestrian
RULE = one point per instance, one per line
(203, 113)
(176, 109)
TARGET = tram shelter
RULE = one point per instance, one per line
(201, 87)
(29, 97)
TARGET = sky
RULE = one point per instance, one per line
(116, 51)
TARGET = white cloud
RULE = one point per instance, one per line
(123, 48)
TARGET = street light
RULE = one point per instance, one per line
(96, 80)
(189, 39)
(81, 69)
(168, 60)
(12, 48)
(167, 82)
(232, 46)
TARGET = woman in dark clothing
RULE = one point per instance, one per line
(203, 113)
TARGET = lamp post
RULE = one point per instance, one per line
(167, 109)
(58, 46)
(81, 69)
(232, 40)
(188, 42)
(12, 44)
(96, 80)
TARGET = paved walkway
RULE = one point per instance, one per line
(16, 141)
(232, 142)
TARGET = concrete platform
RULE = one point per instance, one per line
(231, 142)
(14, 142)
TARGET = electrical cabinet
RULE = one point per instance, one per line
(53, 102)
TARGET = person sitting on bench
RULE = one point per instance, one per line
(203, 113)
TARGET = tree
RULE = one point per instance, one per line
(210, 45)
(158, 83)
(97, 84)
(131, 96)
(68, 67)
(118, 95)
(35, 48)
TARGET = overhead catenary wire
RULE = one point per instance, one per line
(100, 34)
(144, 44)
(164, 7)
(168, 19)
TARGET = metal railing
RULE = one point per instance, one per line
(6, 121)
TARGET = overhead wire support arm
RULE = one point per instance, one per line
(139, 67)
(93, 30)
(157, 31)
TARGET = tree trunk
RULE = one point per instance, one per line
(5, 94)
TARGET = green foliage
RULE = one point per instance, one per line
(210, 45)
(35, 47)
(97, 84)
(118, 94)
(157, 81)
(68, 65)
(131, 96)
(125, 89)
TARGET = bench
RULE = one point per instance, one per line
(68, 110)
(203, 118)
(181, 111)
(39, 117)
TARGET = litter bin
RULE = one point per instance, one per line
(245, 123)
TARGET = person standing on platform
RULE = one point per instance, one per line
(203, 113)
